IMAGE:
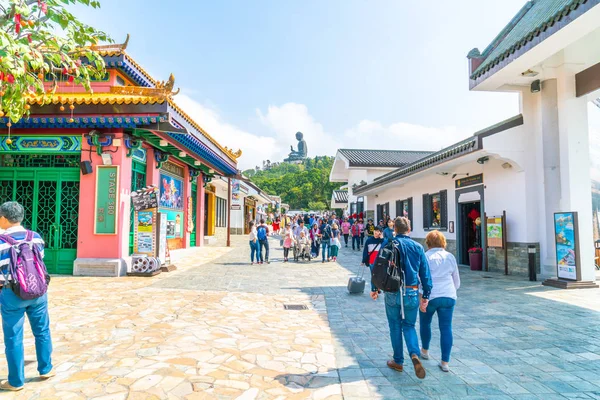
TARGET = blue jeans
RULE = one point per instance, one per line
(254, 249)
(356, 239)
(264, 256)
(444, 306)
(398, 326)
(325, 248)
(13, 310)
(373, 287)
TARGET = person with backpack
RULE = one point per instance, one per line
(356, 236)
(262, 233)
(370, 252)
(21, 254)
(409, 267)
(325, 230)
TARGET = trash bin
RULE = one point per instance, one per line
(532, 274)
(475, 261)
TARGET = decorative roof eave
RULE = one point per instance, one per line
(537, 35)
(196, 130)
(86, 121)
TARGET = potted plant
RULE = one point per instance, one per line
(475, 258)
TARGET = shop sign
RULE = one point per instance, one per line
(249, 201)
(236, 207)
(495, 232)
(139, 155)
(172, 169)
(566, 235)
(42, 144)
(469, 181)
(107, 196)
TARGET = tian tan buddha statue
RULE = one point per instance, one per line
(302, 149)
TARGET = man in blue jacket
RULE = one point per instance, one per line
(416, 270)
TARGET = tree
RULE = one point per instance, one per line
(40, 41)
(316, 206)
(298, 184)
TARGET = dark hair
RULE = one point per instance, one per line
(250, 224)
(401, 226)
(262, 221)
(13, 212)
(378, 228)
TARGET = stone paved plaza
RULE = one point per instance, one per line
(217, 328)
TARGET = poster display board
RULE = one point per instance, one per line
(495, 232)
(171, 192)
(162, 237)
(567, 245)
(235, 195)
(144, 232)
(107, 197)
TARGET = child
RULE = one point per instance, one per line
(288, 237)
(335, 241)
(372, 247)
(356, 231)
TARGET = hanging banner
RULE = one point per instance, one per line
(235, 195)
(107, 197)
(190, 215)
(567, 245)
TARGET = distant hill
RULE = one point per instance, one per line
(302, 186)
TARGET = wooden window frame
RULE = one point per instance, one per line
(428, 208)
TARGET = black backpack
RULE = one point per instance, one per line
(388, 269)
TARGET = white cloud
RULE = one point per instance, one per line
(282, 122)
(254, 147)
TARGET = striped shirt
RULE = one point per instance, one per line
(18, 233)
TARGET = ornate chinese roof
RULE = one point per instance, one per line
(340, 196)
(529, 25)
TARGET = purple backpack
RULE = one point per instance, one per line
(29, 275)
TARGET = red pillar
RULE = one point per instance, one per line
(200, 207)
(89, 244)
(187, 190)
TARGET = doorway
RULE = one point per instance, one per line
(48, 188)
(470, 234)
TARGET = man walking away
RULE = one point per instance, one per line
(13, 308)
(263, 241)
(325, 239)
(402, 307)
(370, 252)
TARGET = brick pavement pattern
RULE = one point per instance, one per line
(217, 328)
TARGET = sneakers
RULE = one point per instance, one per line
(4, 385)
(48, 374)
(424, 354)
(393, 365)
(444, 367)
(419, 370)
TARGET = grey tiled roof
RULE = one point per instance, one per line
(382, 158)
(530, 23)
(340, 196)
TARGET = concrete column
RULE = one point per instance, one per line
(575, 178)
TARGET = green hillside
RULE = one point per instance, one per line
(302, 186)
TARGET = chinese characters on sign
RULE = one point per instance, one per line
(106, 210)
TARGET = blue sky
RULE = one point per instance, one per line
(344, 72)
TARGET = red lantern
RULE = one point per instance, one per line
(18, 23)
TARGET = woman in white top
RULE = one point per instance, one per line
(445, 279)
(254, 246)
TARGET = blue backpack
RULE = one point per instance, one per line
(30, 278)
(261, 233)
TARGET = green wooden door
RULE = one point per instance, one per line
(194, 199)
(50, 197)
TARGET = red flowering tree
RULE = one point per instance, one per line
(41, 43)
